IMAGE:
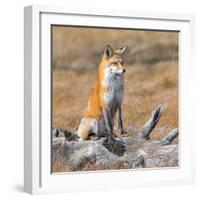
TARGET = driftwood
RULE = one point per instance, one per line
(73, 154)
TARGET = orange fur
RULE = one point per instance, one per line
(96, 101)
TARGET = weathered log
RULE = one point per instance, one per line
(105, 153)
(114, 145)
(92, 155)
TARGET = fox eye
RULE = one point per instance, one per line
(115, 63)
(122, 63)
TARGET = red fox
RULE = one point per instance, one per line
(106, 97)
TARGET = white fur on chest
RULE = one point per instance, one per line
(114, 87)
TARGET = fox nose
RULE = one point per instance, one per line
(124, 70)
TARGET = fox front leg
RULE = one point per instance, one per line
(108, 122)
(114, 145)
(120, 123)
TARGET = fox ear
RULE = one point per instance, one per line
(108, 51)
(123, 49)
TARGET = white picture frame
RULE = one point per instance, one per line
(37, 147)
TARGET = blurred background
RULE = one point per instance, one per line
(83, 47)
(151, 74)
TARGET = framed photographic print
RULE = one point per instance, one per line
(108, 99)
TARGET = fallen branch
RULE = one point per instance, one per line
(151, 123)
(139, 159)
(170, 137)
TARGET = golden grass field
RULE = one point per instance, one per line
(82, 47)
(151, 76)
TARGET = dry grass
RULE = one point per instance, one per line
(145, 88)
(82, 47)
(58, 166)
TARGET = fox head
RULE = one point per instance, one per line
(113, 60)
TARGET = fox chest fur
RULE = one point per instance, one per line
(114, 89)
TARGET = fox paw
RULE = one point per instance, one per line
(120, 132)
